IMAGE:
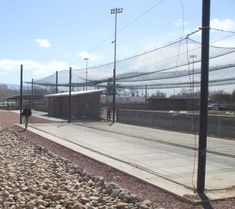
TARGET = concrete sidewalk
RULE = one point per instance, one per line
(163, 158)
(173, 138)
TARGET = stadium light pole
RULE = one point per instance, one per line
(115, 11)
(32, 94)
(56, 82)
(193, 56)
(21, 92)
(86, 59)
(70, 96)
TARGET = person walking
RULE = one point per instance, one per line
(26, 114)
(108, 113)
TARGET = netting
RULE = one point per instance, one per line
(168, 144)
(170, 66)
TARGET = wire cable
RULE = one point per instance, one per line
(221, 39)
(183, 19)
(179, 46)
(220, 30)
(126, 26)
(142, 15)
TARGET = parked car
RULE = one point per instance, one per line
(216, 106)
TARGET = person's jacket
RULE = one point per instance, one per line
(27, 112)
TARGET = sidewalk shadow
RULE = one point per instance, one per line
(111, 123)
(64, 124)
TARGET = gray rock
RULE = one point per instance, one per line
(34, 178)
(115, 192)
(123, 205)
(79, 206)
(41, 202)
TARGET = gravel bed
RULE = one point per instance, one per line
(33, 177)
(73, 164)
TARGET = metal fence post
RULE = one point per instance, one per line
(204, 97)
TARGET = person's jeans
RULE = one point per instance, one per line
(26, 121)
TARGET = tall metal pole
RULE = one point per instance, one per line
(204, 96)
(86, 59)
(115, 11)
(56, 82)
(193, 57)
(21, 92)
(146, 94)
(70, 98)
(32, 95)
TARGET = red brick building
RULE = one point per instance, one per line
(85, 104)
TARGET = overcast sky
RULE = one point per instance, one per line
(50, 35)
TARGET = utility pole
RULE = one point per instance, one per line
(56, 82)
(204, 96)
(21, 92)
(86, 59)
(146, 95)
(193, 56)
(115, 11)
(70, 97)
(32, 94)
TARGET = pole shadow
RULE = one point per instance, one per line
(20, 131)
(111, 123)
(63, 124)
(205, 202)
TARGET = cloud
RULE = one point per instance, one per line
(32, 68)
(90, 56)
(44, 43)
(226, 24)
(84, 54)
(180, 22)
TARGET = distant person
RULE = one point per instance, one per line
(26, 114)
(108, 113)
(88, 111)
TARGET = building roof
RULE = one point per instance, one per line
(171, 98)
(74, 93)
(25, 96)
